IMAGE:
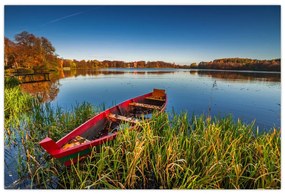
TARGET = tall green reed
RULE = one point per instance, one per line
(184, 153)
(201, 153)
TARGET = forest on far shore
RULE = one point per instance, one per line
(28, 53)
(242, 64)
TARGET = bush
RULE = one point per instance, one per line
(11, 82)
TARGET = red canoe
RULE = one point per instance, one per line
(103, 127)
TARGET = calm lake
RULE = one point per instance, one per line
(246, 95)
(250, 96)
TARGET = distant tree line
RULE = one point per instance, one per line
(89, 64)
(29, 52)
(242, 64)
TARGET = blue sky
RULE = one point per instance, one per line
(180, 34)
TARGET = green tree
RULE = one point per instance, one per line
(193, 65)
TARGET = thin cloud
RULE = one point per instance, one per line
(62, 18)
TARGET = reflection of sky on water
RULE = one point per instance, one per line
(247, 98)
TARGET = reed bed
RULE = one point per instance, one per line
(16, 103)
(199, 152)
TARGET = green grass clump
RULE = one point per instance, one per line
(182, 153)
(11, 82)
(16, 104)
(34, 164)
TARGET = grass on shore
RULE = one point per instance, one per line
(197, 154)
(16, 104)
(184, 153)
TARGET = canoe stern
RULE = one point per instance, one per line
(50, 146)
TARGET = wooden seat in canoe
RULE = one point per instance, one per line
(148, 106)
(123, 118)
(157, 99)
(158, 95)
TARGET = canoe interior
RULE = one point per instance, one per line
(106, 126)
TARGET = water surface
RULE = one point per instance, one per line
(246, 95)
(243, 94)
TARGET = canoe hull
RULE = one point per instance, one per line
(92, 128)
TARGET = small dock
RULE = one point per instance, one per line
(32, 77)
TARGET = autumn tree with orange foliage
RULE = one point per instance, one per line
(30, 52)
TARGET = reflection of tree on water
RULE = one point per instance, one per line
(160, 72)
(194, 72)
(84, 72)
(45, 90)
(246, 76)
(48, 90)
